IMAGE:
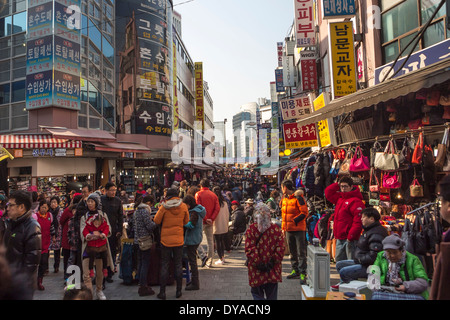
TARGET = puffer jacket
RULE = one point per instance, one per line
(292, 209)
(172, 216)
(47, 229)
(370, 243)
(347, 213)
(22, 239)
(210, 201)
(194, 233)
(143, 224)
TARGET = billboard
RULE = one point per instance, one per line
(332, 9)
(304, 25)
(308, 69)
(288, 71)
(296, 108)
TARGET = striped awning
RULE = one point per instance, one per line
(36, 141)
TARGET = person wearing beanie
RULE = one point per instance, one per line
(400, 270)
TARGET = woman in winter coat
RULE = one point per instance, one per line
(264, 248)
(172, 215)
(56, 212)
(193, 237)
(220, 226)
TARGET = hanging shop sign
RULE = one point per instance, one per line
(332, 9)
(153, 118)
(418, 60)
(325, 127)
(308, 68)
(275, 115)
(296, 108)
(342, 59)
(176, 113)
(199, 95)
(296, 136)
(280, 53)
(288, 71)
(279, 80)
(304, 27)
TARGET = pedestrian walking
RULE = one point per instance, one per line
(55, 246)
(220, 226)
(96, 246)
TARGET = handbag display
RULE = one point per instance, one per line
(385, 197)
(405, 154)
(344, 168)
(373, 187)
(359, 162)
(419, 237)
(374, 202)
(418, 151)
(407, 236)
(415, 189)
(442, 151)
(146, 242)
(389, 159)
(391, 181)
(377, 147)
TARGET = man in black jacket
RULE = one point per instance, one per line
(112, 206)
(367, 248)
(22, 237)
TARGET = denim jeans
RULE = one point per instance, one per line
(192, 258)
(220, 244)
(167, 253)
(268, 291)
(297, 246)
(349, 270)
(345, 249)
(144, 263)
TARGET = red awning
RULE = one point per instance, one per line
(121, 147)
(37, 141)
(82, 134)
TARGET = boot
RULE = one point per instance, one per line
(162, 293)
(179, 287)
(145, 291)
(193, 285)
(39, 285)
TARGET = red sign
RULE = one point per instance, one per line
(309, 70)
(296, 136)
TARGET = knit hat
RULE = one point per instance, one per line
(94, 196)
(172, 192)
(393, 242)
(234, 202)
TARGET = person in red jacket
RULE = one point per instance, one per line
(210, 202)
(98, 228)
(347, 224)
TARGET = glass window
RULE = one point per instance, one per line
(108, 50)
(108, 111)
(82, 122)
(19, 5)
(19, 67)
(95, 35)
(5, 48)
(19, 116)
(94, 123)
(18, 110)
(404, 41)
(5, 26)
(4, 7)
(399, 20)
(434, 34)
(19, 44)
(19, 22)
(19, 122)
(18, 91)
(4, 93)
(5, 71)
(84, 89)
(386, 4)
(391, 52)
(427, 7)
(94, 98)
(84, 24)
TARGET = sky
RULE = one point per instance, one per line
(237, 42)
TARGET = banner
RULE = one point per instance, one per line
(308, 68)
(296, 136)
(296, 108)
(279, 80)
(280, 53)
(288, 71)
(304, 25)
(199, 99)
(342, 58)
(176, 115)
(332, 9)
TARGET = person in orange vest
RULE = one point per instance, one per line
(294, 212)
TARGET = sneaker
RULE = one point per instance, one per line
(219, 262)
(302, 278)
(91, 273)
(335, 287)
(100, 295)
(293, 275)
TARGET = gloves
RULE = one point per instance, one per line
(189, 225)
(299, 218)
(266, 267)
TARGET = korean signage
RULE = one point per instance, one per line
(332, 9)
(154, 118)
(40, 55)
(288, 71)
(325, 127)
(418, 60)
(304, 23)
(39, 90)
(342, 58)
(199, 100)
(275, 115)
(296, 136)
(280, 53)
(296, 108)
(40, 20)
(279, 80)
(49, 152)
(309, 70)
(176, 114)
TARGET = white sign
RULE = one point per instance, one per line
(304, 23)
(288, 71)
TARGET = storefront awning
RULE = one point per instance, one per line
(82, 134)
(385, 91)
(37, 141)
(121, 147)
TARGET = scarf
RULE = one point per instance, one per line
(393, 274)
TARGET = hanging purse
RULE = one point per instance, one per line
(407, 236)
(418, 151)
(344, 168)
(377, 147)
(391, 181)
(373, 187)
(430, 232)
(146, 242)
(420, 243)
(405, 154)
(415, 189)
(389, 159)
(385, 197)
(359, 162)
(442, 151)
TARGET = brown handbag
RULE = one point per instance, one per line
(415, 189)
(442, 151)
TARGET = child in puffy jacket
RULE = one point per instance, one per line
(98, 229)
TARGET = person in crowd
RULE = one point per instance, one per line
(144, 227)
(93, 203)
(294, 213)
(238, 221)
(249, 209)
(210, 202)
(192, 190)
(273, 201)
(55, 246)
(3, 201)
(81, 210)
(183, 189)
(112, 206)
(71, 293)
(35, 201)
(65, 220)
(124, 197)
(220, 226)
(440, 290)
(237, 193)
(367, 248)
(400, 270)
(96, 247)
(140, 190)
(261, 194)
(172, 216)
(192, 238)
(264, 248)
(347, 224)
(45, 220)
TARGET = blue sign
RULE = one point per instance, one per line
(67, 56)
(416, 61)
(279, 80)
(40, 19)
(39, 90)
(39, 55)
(338, 8)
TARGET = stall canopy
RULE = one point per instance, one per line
(82, 134)
(37, 141)
(120, 147)
(390, 89)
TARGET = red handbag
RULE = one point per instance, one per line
(359, 162)
(391, 181)
(418, 151)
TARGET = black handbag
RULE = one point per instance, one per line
(407, 236)
(430, 233)
(419, 235)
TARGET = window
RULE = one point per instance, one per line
(108, 111)
(4, 7)
(94, 98)
(95, 35)
(84, 24)
(5, 26)
(82, 122)
(19, 22)
(5, 70)
(19, 116)
(400, 20)
(108, 50)
(18, 91)
(19, 67)
(4, 118)
(94, 123)
(19, 44)
(434, 34)
(4, 93)
(19, 5)
(5, 48)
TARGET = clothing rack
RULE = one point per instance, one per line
(422, 207)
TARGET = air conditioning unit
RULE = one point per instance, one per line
(318, 270)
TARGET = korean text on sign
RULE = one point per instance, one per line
(304, 23)
(296, 108)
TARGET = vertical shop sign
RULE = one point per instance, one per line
(176, 115)
(280, 53)
(309, 70)
(279, 80)
(304, 23)
(342, 58)
(199, 99)
(275, 114)
(288, 71)
(332, 9)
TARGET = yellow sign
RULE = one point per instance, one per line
(342, 58)
(199, 102)
(325, 127)
(176, 115)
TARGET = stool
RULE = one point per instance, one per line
(186, 270)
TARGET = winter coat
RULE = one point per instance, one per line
(370, 243)
(292, 209)
(221, 223)
(56, 213)
(209, 201)
(347, 213)
(143, 225)
(89, 228)
(239, 223)
(440, 290)
(172, 216)
(236, 194)
(414, 269)
(114, 209)
(269, 247)
(64, 222)
(194, 233)
(23, 243)
(47, 230)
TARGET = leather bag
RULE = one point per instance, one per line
(359, 162)
(416, 189)
(373, 187)
(442, 151)
(145, 243)
(389, 159)
(418, 151)
(344, 168)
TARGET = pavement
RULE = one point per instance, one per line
(220, 282)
